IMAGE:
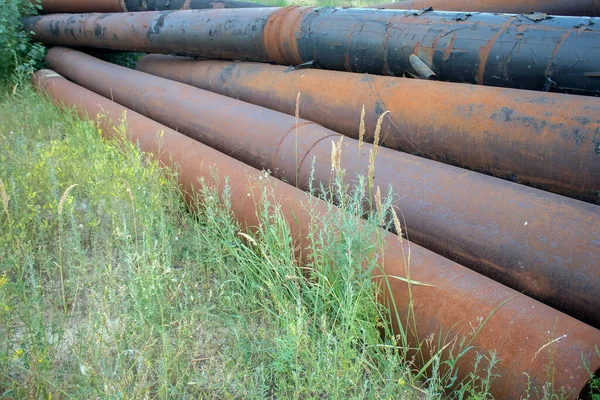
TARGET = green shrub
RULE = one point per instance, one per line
(19, 56)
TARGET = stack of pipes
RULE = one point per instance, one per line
(490, 133)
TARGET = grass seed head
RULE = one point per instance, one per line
(397, 225)
(4, 198)
(378, 203)
(361, 129)
(336, 155)
(64, 198)
(378, 132)
(297, 113)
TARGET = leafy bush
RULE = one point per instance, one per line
(19, 56)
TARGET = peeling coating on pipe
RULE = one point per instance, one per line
(109, 6)
(537, 242)
(556, 53)
(586, 8)
(422, 70)
(549, 141)
(520, 330)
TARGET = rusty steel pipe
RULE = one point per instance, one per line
(519, 330)
(109, 6)
(534, 241)
(586, 8)
(558, 53)
(546, 140)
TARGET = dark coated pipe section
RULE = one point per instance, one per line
(108, 6)
(526, 334)
(558, 53)
(586, 8)
(549, 141)
(534, 241)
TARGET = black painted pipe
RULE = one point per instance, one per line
(88, 6)
(550, 54)
(589, 8)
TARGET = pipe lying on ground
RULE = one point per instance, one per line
(586, 8)
(519, 330)
(546, 140)
(107, 6)
(552, 7)
(558, 53)
(534, 241)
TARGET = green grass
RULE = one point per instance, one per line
(112, 287)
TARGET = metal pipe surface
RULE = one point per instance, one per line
(549, 141)
(586, 8)
(109, 6)
(534, 241)
(557, 53)
(519, 330)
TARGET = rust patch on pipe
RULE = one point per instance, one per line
(280, 35)
(484, 51)
(519, 330)
(555, 51)
(449, 48)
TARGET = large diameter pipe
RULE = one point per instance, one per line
(586, 8)
(558, 53)
(534, 241)
(553, 7)
(108, 6)
(550, 141)
(520, 330)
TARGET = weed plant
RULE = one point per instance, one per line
(19, 57)
(111, 287)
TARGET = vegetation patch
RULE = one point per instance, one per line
(111, 286)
